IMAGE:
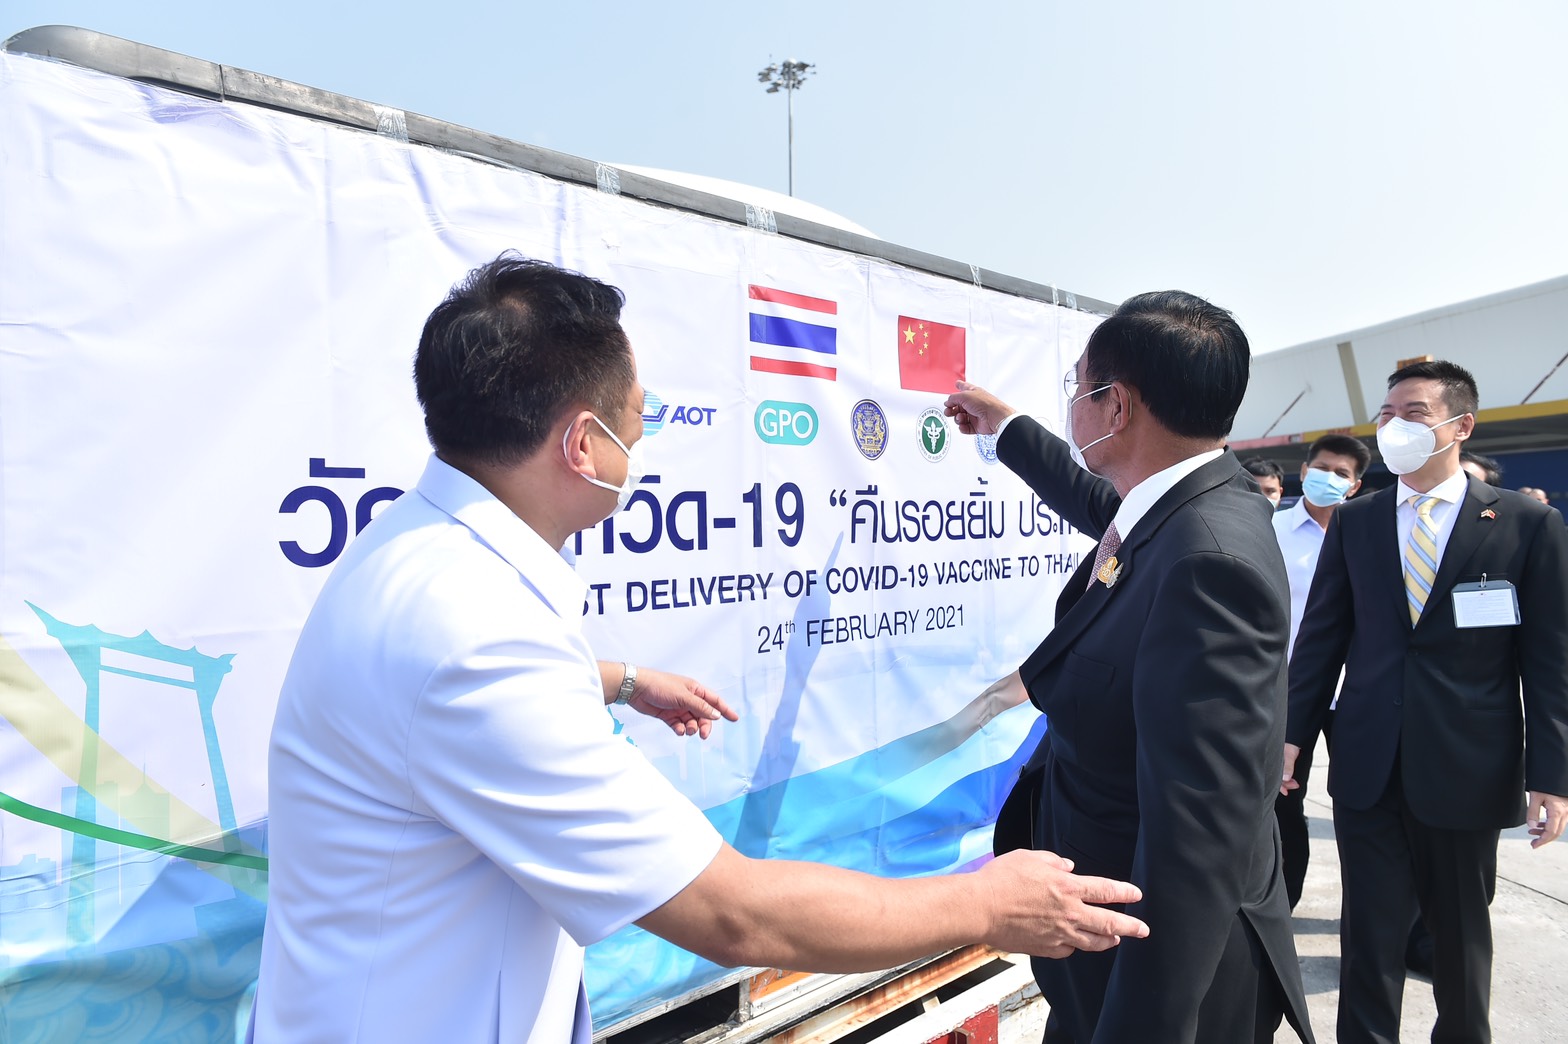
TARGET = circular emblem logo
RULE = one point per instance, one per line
(868, 424)
(985, 445)
(933, 435)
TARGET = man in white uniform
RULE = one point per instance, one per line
(452, 817)
(1331, 475)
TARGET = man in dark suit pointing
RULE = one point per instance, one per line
(1163, 683)
(1443, 599)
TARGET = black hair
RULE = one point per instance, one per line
(515, 344)
(1459, 390)
(1188, 360)
(1261, 467)
(1494, 470)
(1345, 446)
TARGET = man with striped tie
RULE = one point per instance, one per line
(1443, 599)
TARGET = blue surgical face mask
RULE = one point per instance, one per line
(1324, 488)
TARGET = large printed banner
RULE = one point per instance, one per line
(207, 317)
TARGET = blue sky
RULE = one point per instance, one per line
(1313, 168)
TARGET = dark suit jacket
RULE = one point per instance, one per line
(1445, 700)
(1165, 698)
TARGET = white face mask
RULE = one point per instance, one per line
(1406, 445)
(1067, 432)
(634, 467)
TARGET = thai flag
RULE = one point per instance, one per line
(793, 334)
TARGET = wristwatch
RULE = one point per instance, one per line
(628, 683)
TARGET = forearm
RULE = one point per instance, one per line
(810, 917)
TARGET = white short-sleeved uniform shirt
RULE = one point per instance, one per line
(452, 816)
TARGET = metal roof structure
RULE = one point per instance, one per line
(1514, 342)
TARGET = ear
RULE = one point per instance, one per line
(1121, 397)
(1354, 488)
(1464, 427)
(579, 447)
(1304, 471)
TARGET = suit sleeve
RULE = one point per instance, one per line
(1543, 657)
(1086, 501)
(1327, 623)
(1207, 707)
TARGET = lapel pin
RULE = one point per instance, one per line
(1110, 572)
(1488, 513)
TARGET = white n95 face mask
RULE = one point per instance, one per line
(1067, 432)
(1406, 445)
(635, 469)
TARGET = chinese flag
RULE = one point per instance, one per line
(930, 355)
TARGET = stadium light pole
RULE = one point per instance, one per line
(789, 77)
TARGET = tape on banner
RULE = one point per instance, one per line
(974, 272)
(761, 219)
(1072, 301)
(608, 178)
(390, 123)
(1055, 300)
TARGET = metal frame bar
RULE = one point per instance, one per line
(153, 65)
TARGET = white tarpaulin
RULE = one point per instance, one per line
(207, 318)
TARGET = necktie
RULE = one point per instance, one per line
(1109, 544)
(1420, 557)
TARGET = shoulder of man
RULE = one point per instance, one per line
(1223, 518)
(1525, 507)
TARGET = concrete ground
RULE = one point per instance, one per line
(1529, 929)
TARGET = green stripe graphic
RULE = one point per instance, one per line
(125, 837)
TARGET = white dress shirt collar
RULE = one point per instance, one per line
(1147, 493)
(503, 532)
(1451, 490)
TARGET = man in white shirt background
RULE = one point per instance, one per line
(452, 818)
(1331, 475)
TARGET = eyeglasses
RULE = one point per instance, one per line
(1071, 383)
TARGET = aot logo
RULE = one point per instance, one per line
(657, 413)
(786, 423)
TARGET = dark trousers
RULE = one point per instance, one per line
(1390, 866)
(1244, 1003)
(1295, 845)
(1290, 811)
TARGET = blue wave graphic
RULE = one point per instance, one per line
(136, 984)
(633, 970)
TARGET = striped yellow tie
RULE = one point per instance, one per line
(1420, 557)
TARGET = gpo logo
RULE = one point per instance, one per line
(786, 423)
